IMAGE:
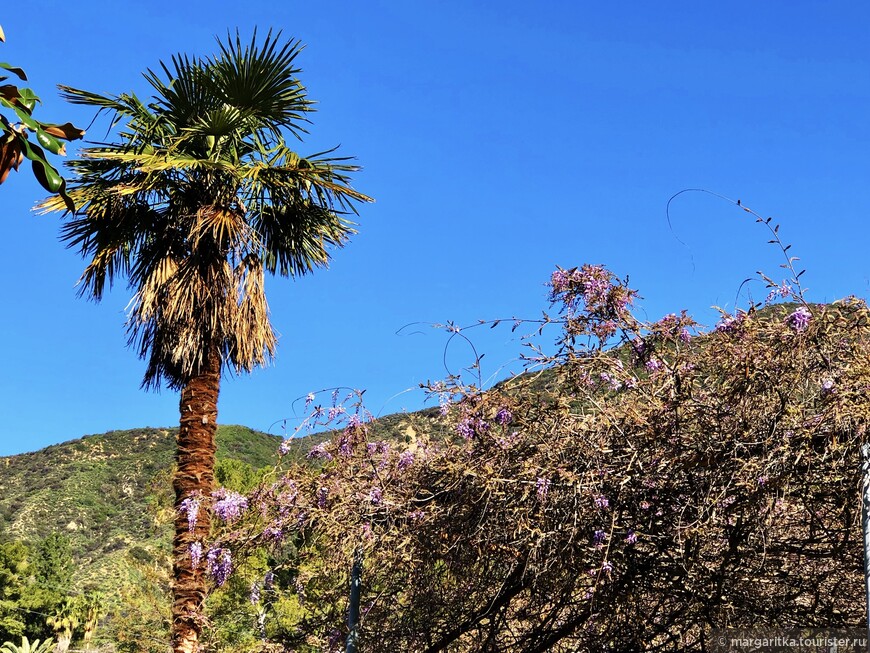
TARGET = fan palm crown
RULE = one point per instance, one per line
(200, 197)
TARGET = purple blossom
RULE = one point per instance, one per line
(334, 412)
(730, 323)
(762, 481)
(195, 550)
(273, 533)
(269, 580)
(799, 320)
(284, 449)
(783, 291)
(376, 496)
(612, 382)
(684, 335)
(504, 416)
(827, 386)
(322, 495)
(607, 567)
(381, 447)
(254, 594)
(598, 537)
(309, 399)
(601, 502)
(631, 538)
(542, 488)
(319, 452)
(406, 459)
(190, 507)
(230, 505)
(345, 445)
(471, 426)
(220, 564)
(653, 365)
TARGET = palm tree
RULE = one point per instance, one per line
(199, 199)
(64, 622)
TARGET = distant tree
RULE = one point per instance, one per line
(13, 579)
(17, 124)
(64, 622)
(199, 199)
(90, 607)
(53, 563)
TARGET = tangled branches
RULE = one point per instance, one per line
(653, 483)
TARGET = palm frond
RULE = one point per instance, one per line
(261, 80)
(199, 197)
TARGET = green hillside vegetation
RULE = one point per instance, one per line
(109, 494)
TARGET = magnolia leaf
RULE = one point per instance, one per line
(46, 175)
(66, 131)
(18, 72)
(10, 157)
(27, 99)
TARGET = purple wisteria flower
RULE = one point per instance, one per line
(607, 567)
(269, 580)
(504, 416)
(254, 594)
(376, 496)
(219, 565)
(730, 323)
(827, 386)
(273, 533)
(230, 505)
(684, 335)
(381, 447)
(783, 291)
(406, 459)
(319, 452)
(601, 502)
(190, 507)
(638, 346)
(286, 443)
(631, 538)
(653, 365)
(598, 537)
(322, 495)
(334, 412)
(195, 550)
(471, 426)
(799, 320)
(542, 488)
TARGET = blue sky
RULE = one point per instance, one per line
(500, 139)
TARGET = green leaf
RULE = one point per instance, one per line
(46, 175)
(27, 98)
(18, 72)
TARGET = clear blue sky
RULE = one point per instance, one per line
(500, 139)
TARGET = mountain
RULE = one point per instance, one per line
(109, 494)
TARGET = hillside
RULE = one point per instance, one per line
(107, 493)
(110, 494)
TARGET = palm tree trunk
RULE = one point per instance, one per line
(194, 477)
